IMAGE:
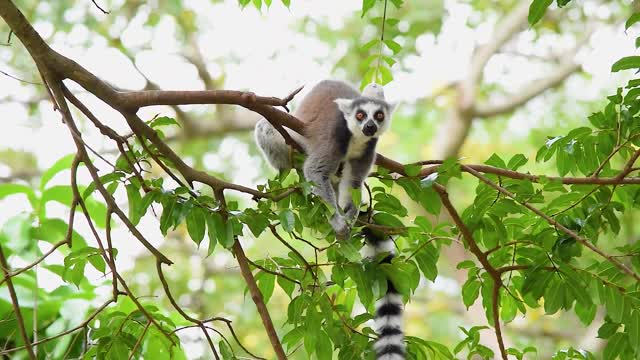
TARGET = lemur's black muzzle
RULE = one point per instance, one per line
(369, 128)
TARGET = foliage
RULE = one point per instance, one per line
(535, 241)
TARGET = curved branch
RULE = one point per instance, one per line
(524, 95)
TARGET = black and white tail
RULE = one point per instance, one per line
(388, 318)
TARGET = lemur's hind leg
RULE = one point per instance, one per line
(272, 144)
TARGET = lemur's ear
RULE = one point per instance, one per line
(391, 106)
(344, 105)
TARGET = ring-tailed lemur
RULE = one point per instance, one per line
(341, 131)
(388, 317)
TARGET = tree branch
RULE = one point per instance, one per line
(256, 295)
(16, 305)
(524, 95)
(557, 225)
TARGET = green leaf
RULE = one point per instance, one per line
(517, 161)
(225, 351)
(389, 60)
(466, 264)
(495, 160)
(579, 291)
(287, 220)
(633, 330)
(394, 46)
(98, 262)
(10, 189)
(607, 329)
(257, 4)
(614, 303)
(586, 313)
(400, 276)
(60, 165)
(366, 6)
(166, 219)
(226, 238)
(385, 75)
(369, 45)
(537, 10)
(350, 252)
(430, 200)
(427, 259)
(77, 273)
(286, 3)
(293, 337)
(615, 346)
(397, 3)
(629, 62)
(118, 350)
(135, 200)
(470, 291)
(104, 180)
(632, 20)
(387, 219)
(144, 204)
(324, 349)
(196, 224)
(368, 78)
(16, 233)
(163, 121)
(508, 307)
(266, 283)
(216, 229)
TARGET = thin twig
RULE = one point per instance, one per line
(179, 309)
(16, 305)
(21, 80)
(99, 8)
(557, 225)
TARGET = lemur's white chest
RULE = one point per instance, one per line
(357, 146)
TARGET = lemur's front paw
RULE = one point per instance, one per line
(341, 227)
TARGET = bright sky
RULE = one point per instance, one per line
(270, 59)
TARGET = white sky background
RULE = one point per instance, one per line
(270, 59)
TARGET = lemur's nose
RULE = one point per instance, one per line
(369, 128)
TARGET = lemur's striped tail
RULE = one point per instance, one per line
(388, 318)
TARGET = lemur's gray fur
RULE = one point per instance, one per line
(341, 130)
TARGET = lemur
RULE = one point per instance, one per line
(341, 131)
(340, 136)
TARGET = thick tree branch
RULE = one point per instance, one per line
(523, 96)
(556, 78)
(256, 295)
(482, 258)
(511, 25)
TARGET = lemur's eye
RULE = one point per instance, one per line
(360, 115)
(379, 116)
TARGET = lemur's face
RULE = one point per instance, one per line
(368, 117)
